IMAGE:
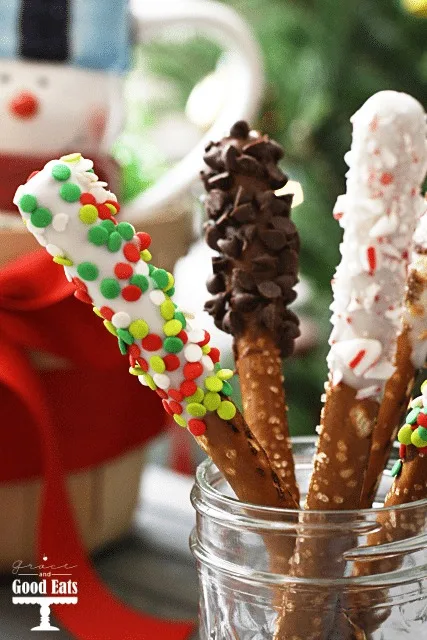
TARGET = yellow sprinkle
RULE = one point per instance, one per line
(179, 420)
(224, 374)
(157, 364)
(88, 214)
(97, 312)
(138, 329)
(71, 157)
(111, 207)
(66, 262)
(150, 381)
(145, 255)
(197, 396)
(172, 327)
(171, 282)
(206, 349)
(110, 327)
(136, 371)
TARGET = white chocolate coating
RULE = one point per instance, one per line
(379, 212)
(415, 313)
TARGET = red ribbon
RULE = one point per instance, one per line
(35, 313)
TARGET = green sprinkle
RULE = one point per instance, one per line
(140, 281)
(226, 410)
(412, 416)
(70, 192)
(90, 171)
(195, 409)
(97, 235)
(151, 268)
(114, 242)
(171, 291)
(109, 225)
(397, 468)
(61, 172)
(88, 214)
(217, 367)
(180, 316)
(110, 288)
(417, 441)
(227, 389)
(126, 336)
(172, 327)
(197, 396)
(28, 203)
(212, 401)
(160, 277)
(41, 217)
(167, 309)
(139, 329)
(179, 420)
(126, 230)
(122, 346)
(173, 345)
(88, 271)
(212, 383)
(157, 364)
(225, 374)
(422, 432)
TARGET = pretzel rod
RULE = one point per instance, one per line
(72, 215)
(379, 212)
(411, 355)
(253, 280)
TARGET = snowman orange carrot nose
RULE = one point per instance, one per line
(24, 105)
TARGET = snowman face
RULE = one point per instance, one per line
(50, 109)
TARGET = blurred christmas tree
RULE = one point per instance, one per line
(323, 59)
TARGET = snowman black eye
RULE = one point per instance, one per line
(4, 78)
(42, 81)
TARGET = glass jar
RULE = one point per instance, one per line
(362, 591)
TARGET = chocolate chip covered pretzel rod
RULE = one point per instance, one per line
(72, 215)
(379, 212)
(253, 279)
(410, 357)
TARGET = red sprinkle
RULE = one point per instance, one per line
(106, 313)
(214, 354)
(372, 259)
(205, 339)
(123, 270)
(176, 395)
(188, 387)
(32, 174)
(196, 427)
(402, 451)
(175, 406)
(134, 350)
(167, 407)
(87, 198)
(142, 363)
(193, 370)
(161, 393)
(152, 342)
(357, 358)
(103, 211)
(131, 293)
(132, 359)
(144, 240)
(171, 361)
(79, 284)
(83, 296)
(423, 450)
(422, 419)
(386, 178)
(183, 336)
(131, 252)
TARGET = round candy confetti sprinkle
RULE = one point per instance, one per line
(125, 336)
(162, 380)
(107, 313)
(157, 297)
(98, 236)
(41, 217)
(110, 327)
(212, 401)
(422, 419)
(205, 349)
(123, 270)
(422, 432)
(196, 427)
(144, 240)
(97, 312)
(81, 295)
(150, 382)
(152, 342)
(197, 396)
(88, 271)
(160, 277)
(412, 416)
(172, 362)
(126, 230)
(192, 370)
(28, 203)
(176, 395)
(141, 268)
(88, 214)
(226, 410)
(60, 222)
(192, 352)
(142, 363)
(121, 320)
(139, 329)
(171, 282)
(61, 172)
(207, 363)
(167, 408)
(188, 388)
(87, 198)
(130, 251)
(171, 291)
(71, 157)
(225, 374)
(162, 394)
(65, 262)
(397, 468)
(157, 364)
(114, 242)
(172, 327)
(227, 389)
(214, 355)
(176, 407)
(212, 383)
(139, 281)
(110, 288)
(416, 440)
(145, 255)
(167, 309)
(173, 345)
(195, 409)
(182, 335)
(402, 451)
(180, 316)
(131, 293)
(70, 192)
(109, 225)
(122, 347)
(196, 335)
(179, 420)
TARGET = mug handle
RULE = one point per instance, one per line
(223, 25)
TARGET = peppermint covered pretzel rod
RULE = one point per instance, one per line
(253, 279)
(410, 357)
(379, 211)
(72, 215)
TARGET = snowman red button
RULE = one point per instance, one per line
(24, 105)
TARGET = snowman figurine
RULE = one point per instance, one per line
(60, 85)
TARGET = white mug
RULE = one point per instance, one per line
(63, 91)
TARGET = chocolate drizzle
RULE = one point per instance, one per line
(254, 275)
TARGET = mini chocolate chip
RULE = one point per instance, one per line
(239, 129)
(269, 289)
(270, 317)
(243, 213)
(243, 302)
(290, 316)
(228, 157)
(273, 239)
(212, 235)
(216, 198)
(276, 150)
(221, 181)
(220, 264)
(216, 306)
(288, 262)
(241, 279)
(287, 200)
(248, 166)
(213, 158)
(283, 224)
(215, 283)
(277, 178)
(265, 262)
(258, 149)
(231, 247)
(286, 281)
(250, 231)
(233, 323)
